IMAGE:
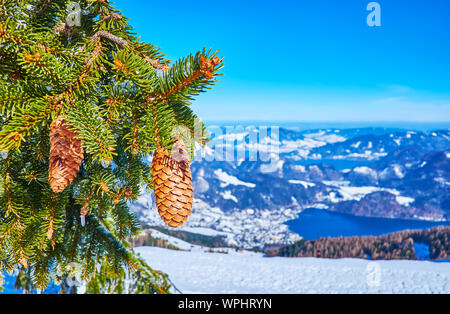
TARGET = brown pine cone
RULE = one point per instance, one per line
(66, 155)
(172, 180)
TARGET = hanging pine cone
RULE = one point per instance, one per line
(172, 180)
(66, 155)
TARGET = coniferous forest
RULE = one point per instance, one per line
(399, 245)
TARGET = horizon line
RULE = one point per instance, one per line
(329, 121)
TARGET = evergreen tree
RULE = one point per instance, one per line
(82, 107)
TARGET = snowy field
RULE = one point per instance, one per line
(248, 273)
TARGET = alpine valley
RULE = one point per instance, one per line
(272, 175)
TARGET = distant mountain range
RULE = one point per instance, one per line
(374, 172)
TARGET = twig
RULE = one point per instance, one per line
(65, 29)
(122, 42)
(114, 16)
(118, 40)
(154, 63)
(173, 285)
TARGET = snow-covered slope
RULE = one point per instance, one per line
(246, 273)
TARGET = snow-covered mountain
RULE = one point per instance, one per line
(273, 174)
(372, 147)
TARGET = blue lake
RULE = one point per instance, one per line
(315, 223)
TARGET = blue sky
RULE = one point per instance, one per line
(310, 60)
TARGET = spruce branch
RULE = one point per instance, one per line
(122, 42)
(21, 125)
(64, 29)
(179, 80)
(119, 106)
(39, 10)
